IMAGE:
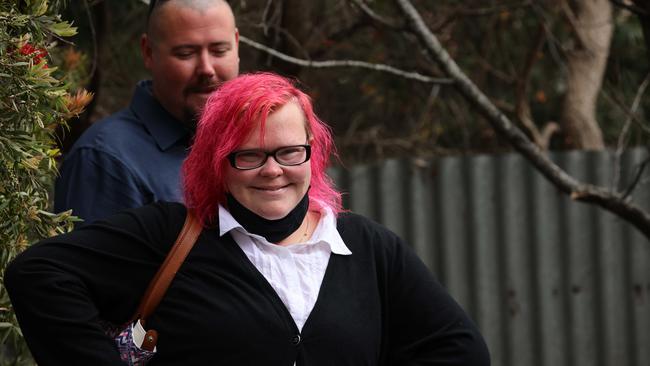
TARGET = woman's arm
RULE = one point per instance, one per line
(62, 287)
(427, 327)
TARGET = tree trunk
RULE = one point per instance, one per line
(586, 62)
(299, 24)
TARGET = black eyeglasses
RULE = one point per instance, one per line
(255, 158)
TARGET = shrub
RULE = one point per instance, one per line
(34, 101)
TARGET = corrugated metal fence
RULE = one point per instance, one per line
(549, 281)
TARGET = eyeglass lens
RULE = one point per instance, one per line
(288, 155)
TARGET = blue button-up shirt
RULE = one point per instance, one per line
(128, 159)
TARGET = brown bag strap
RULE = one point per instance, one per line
(163, 278)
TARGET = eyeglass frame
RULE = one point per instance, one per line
(232, 156)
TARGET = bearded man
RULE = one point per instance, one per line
(133, 157)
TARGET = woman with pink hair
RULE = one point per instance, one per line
(230, 154)
(280, 275)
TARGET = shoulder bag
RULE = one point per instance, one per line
(135, 345)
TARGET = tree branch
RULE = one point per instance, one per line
(637, 178)
(623, 138)
(388, 22)
(265, 17)
(522, 107)
(93, 35)
(645, 21)
(631, 8)
(617, 102)
(488, 10)
(500, 122)
(345, 63)
(292, 41)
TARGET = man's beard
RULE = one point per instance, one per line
(191, 118)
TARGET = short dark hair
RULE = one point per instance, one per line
(155, 4)
(152, 5)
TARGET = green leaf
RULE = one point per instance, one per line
(38, 7)
(31, 101)
(63, 29)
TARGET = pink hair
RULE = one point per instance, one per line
(230, 115)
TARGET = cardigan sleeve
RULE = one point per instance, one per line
(62, 287)
(427, 327)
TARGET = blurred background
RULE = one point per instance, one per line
(525, 55)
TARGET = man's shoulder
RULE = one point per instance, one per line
(114, 134)
(117, 126)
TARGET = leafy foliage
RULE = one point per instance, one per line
(34, 100)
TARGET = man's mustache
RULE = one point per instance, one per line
(203, 88)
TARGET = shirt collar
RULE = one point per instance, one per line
(165, 129)
(325, 232)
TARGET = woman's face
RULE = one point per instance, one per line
(273, 190)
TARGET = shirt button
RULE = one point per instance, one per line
(295, 339)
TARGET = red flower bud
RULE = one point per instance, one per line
(37, 53)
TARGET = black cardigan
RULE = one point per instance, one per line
(378, 306)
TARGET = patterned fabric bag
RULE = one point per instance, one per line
(135, 345)
(131, 351)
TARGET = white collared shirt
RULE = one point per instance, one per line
(294, 271)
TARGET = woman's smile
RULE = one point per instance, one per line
(273, 190)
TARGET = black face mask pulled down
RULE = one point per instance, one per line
(273, 230)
